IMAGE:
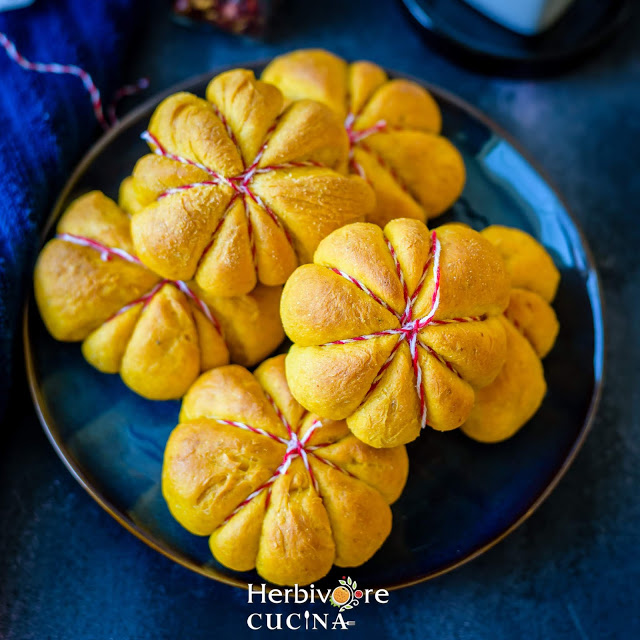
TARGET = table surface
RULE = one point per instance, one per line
(67, 570)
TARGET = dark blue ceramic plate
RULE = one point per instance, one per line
(461, 498)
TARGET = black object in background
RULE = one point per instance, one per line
(474, 40)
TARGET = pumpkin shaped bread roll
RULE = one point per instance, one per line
(531, 325)
(158, 334)
(274, 487)
(237, 191)
(393, 128)
(396, 329)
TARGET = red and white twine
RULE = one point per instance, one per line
(107, 253)
(356, 139)
(356, 136)
(296, 447)
(107, 121)
(240, 184)
(364, 288)
(410, 327)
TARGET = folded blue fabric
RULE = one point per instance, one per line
(47, 121)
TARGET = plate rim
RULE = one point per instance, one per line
(597, 308)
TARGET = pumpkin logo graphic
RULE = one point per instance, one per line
(347, 595)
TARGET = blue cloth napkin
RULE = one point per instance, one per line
(46, 122)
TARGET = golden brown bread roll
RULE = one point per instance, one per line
(274, 487)
(531, 325)
(393, 128)
(238, 191)
(158, 334)
(398, 329)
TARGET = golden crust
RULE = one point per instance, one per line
(264, 187)
(515, 395)
(531, 325)
(394, 128)
(160, 343)
(228, 482)
(529, 266)
(534, 318)
(353, 290)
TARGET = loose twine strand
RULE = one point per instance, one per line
(106, 121)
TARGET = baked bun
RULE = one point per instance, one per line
(396, 329)
(158, 334)
(393, 128)
(274, 487)
(237, 190)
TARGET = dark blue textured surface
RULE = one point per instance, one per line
(572, 571)
(46, 122)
